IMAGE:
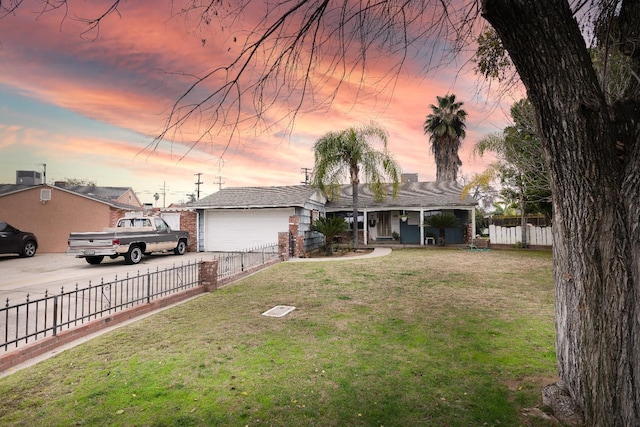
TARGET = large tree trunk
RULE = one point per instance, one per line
(447, 160)
(523, 220)
(355, 182)
(596, 208)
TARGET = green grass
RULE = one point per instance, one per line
(420, 337)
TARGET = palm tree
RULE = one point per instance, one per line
(330, 227)
(347, 153)
(446, 129)
(442, 222)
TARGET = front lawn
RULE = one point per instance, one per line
(418, 338)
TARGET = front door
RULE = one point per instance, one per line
(383, 227)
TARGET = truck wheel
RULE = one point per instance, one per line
(134, 255)
(181, 248)
(94, 259)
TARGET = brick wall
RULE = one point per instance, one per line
(283, 245)
(188, 223)
(298, 240)
(114, 215)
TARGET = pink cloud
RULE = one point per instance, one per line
(121, 78)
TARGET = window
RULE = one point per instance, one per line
(348, 216)
(161, 225)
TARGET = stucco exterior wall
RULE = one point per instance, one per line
(52, 221)
(130, 198)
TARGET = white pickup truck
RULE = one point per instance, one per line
(131, 238)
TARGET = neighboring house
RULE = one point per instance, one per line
(406, 213)
(51, 212)
(234, 219)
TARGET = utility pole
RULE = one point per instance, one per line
(219, 181)
(306, 172)
(198, 182)
(164, 194)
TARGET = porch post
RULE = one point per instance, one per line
(421, 227)
(473, 223)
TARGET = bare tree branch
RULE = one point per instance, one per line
(298, 48)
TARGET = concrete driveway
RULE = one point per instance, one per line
(20, 277)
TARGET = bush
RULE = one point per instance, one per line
(330, 227)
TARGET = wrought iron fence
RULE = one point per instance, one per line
(38, 318)
(233, 263)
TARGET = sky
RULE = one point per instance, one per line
(88, 105)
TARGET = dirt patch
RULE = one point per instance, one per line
(338, 253)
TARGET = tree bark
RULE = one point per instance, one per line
(447, 161)
(596, 208)
(523, 219)
(355, 182)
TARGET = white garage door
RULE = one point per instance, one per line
(237, 230)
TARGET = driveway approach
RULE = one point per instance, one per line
(20, 277)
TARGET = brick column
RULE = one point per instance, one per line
(283, 245)
(209, 275)
(188, 221)
(294, 228)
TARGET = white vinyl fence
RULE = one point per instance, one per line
(512, 235)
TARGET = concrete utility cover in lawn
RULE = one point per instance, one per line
(279, 311)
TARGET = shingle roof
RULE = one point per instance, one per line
(410, 194)
(107, 194)
(10, 188)
(258, 197)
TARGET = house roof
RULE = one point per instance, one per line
(410, 195)
(107, 195)
(259, 197)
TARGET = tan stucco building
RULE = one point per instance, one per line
(51, 212)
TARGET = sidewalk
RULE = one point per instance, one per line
(377, 252)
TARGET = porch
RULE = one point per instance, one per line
(406, 227)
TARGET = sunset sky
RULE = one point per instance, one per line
(89, 106)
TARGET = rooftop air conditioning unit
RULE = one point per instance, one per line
(28, 178)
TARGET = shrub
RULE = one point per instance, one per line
(330, 227)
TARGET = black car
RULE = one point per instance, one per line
(14, 241)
